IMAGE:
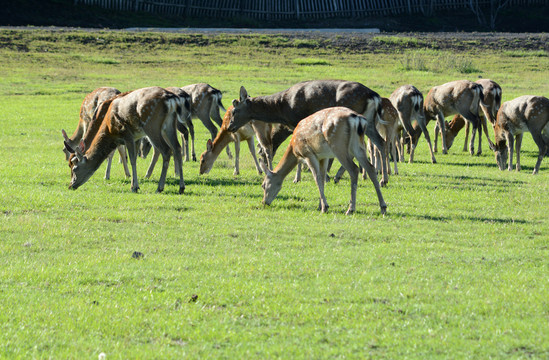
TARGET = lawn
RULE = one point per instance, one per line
(458, 268)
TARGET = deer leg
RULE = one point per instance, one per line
(315, 166)
(297, 177)
(442, 126)
(132, 154)
(184, 139)
(191, 131)
(349, 165)
(363, 161)
(154, 159)
(437, 131)
(542, 141)
(422, 122)
(518, 143)
(485, 128)
(236, 155)
(169, 136)
(251, 146)
(479, 130)
(394, 154)
(466, 136)
(339, 174)
(124, 158)
(510, 144)
(109, 163)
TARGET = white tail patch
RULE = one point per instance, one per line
(477, 91)
(217, 96)
(416, 101)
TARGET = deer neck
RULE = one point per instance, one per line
(268, 109)
(101, 146)
(223, 138)
(287, 163)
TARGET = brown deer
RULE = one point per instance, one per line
(334, 132)
(525, 113)
(490, 105)
(205, 105)
(89, 105)
(455, 97)
(224, 137)
(408, 101)
(290, 106)
(151, 112)
(389, 131)
(185, 127)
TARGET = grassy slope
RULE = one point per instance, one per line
(458, 267)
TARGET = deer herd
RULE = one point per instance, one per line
(328, 119)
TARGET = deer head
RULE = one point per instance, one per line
(207, 158)
(78, 162)
(241, 113)
(271, 184)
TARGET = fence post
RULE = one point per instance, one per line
(297, 14)
(137, 5)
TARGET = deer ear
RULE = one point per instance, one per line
(65, 136)
(209, 145)
(243, 93)
(235, 103)
(68, 147)
(264, 167)
(80, 150)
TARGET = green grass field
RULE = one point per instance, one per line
(457, 269)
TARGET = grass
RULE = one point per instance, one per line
(310, 61)
(457, 269)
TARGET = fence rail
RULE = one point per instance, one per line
(290, 9)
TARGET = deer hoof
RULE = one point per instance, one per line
(181, 190)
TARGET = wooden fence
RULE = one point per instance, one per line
(291, 9)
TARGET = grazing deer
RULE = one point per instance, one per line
(151, 112)
(455, 97)
(525, 113)
(490, 105)
(224, 137)
(89, 105)
(408, 101)
(205, 105)
(333, 132)
(389, 131)
(185, 127)
(290, 106)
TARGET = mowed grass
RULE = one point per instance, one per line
(458, 268)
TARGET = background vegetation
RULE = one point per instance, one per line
(457, 269)
(523, 18)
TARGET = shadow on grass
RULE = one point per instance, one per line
(480, 219)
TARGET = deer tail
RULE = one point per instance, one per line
(217, 96)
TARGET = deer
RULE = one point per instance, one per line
(525, 113)
(184, 127)
(290, 106)
(151, 112)
(490, 105)
(389, 130)
(224, 137)
(456, 97)
(87, 109)
(408, 101)
(205, 105)
(333, 132)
